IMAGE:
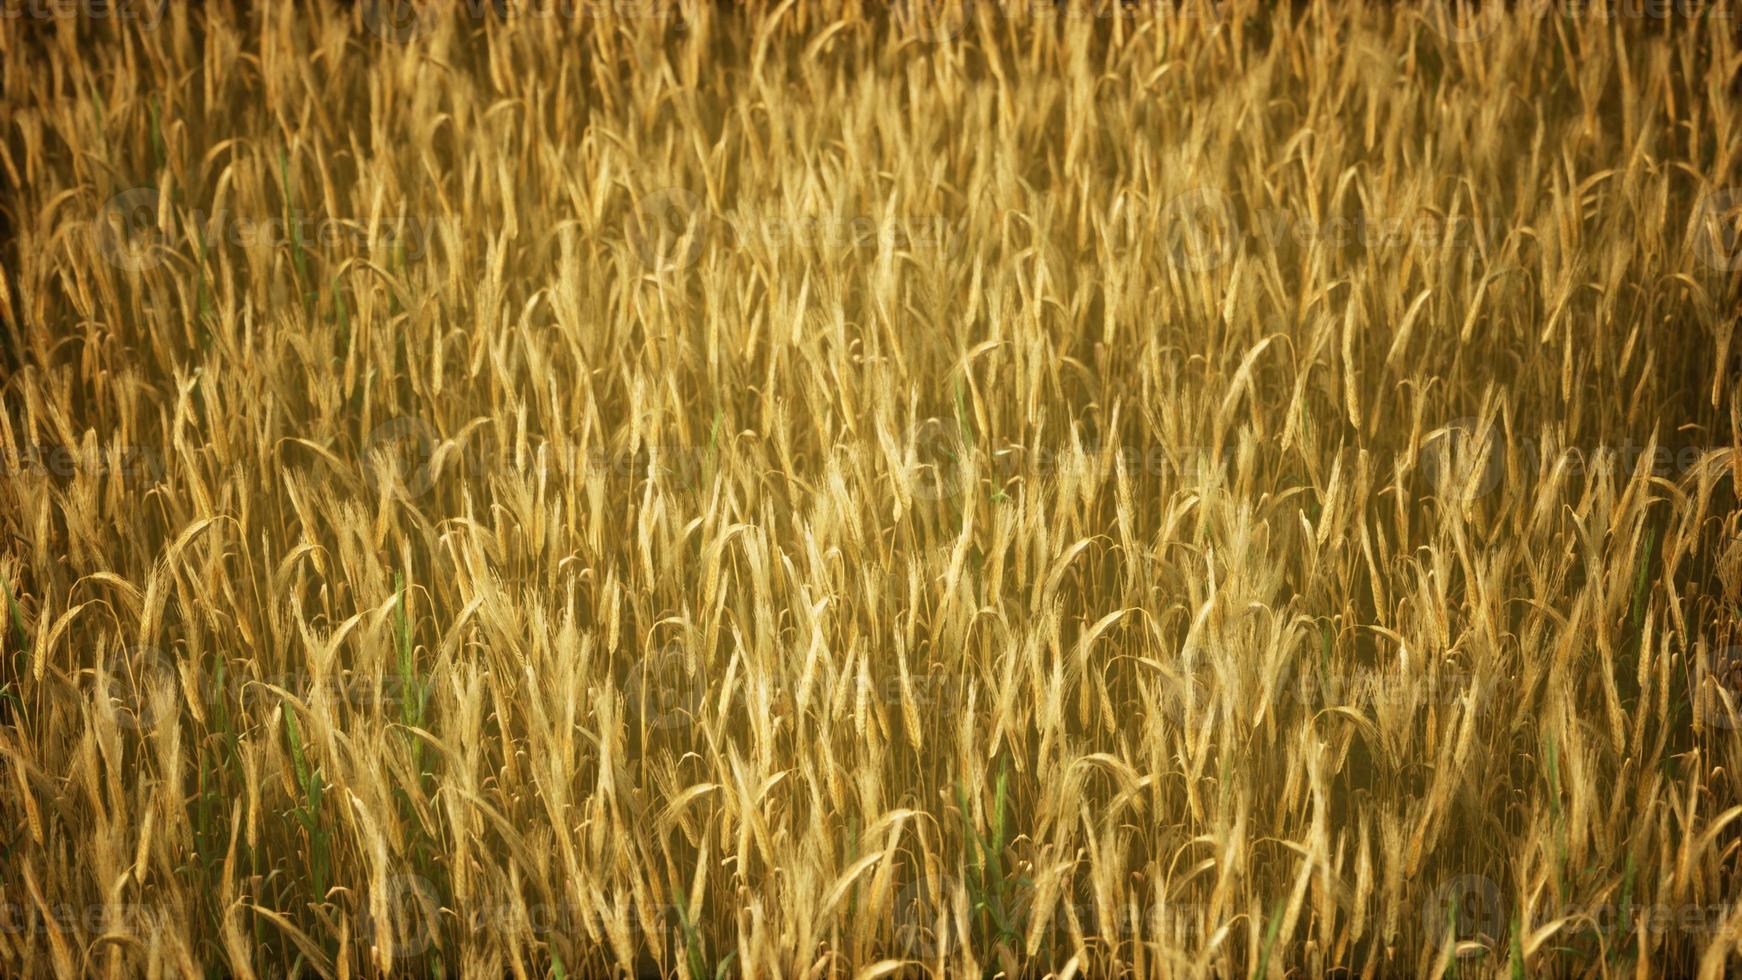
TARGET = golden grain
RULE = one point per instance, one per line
(812, 489)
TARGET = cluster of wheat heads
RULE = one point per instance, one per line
(822, 490)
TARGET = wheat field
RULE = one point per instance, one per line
(818, 489)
